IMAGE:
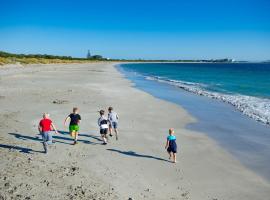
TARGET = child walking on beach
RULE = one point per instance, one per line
(113, 119)
(75, 120)
(171, 145)
(45, 128)
(103, 125)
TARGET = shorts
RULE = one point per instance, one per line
(114, 125)
(103, 131)
(47, 137)
(172, 149)
(74, 128)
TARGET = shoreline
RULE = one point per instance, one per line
(136, 166)
(222, 122)
(246, 104)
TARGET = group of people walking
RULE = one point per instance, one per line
(106, 124)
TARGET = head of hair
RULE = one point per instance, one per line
(101, 112)
(45, 115)
(75, 109)
(110, 108)
(171, 131)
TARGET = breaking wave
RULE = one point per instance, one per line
(254, 107)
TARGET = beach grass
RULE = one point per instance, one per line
(26, 61)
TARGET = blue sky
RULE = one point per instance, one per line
(150, 29)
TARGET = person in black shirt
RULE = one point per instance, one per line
(74, 122)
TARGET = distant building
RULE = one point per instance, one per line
(97, 57)
(88, 56)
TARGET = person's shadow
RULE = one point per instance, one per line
(80, 135)
(92, 136)
(132, 153)
(25, 137)
(56, 138)
(20, 149)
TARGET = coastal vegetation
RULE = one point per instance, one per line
(24, 59)
(10, 58)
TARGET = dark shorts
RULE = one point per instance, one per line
(172, 149)
(114, 125)
(104, 131)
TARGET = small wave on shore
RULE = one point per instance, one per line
(254, 107)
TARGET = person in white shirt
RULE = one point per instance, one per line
(103, 125)
(113, 122)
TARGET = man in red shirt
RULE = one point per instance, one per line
(45, 128)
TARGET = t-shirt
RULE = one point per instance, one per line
(113, 117)
(171, 137)
(45, 125)
(74, 119)
(103, 122)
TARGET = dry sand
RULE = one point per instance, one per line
(136, 166)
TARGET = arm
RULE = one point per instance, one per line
(167, 144)
(65, 122)
(54, 128)
(39, 128)
(79, 121)
(117, 117)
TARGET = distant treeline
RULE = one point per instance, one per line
(9, 58)
(46, 56)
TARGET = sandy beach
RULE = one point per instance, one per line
(134, 167)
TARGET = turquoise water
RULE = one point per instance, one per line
(243, 137)
(241, 78)
(243, 85)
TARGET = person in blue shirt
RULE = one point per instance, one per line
(171, 145)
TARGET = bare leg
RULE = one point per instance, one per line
(170, 155)
(104, 138)
(45, 145)
(174, 157)
(72, 134)
(106, 135)
(116, 133)
(110, 130)
(76, 137)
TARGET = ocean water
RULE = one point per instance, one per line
(245, 138)
(246, 86)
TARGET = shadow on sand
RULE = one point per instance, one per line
(92, 136)
(84, 135)
(132, 153)
(56, 138)
(20, 149)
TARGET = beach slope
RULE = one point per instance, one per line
(136, 166)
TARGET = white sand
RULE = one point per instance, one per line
(134, 167)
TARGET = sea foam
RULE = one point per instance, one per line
(254, 107)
